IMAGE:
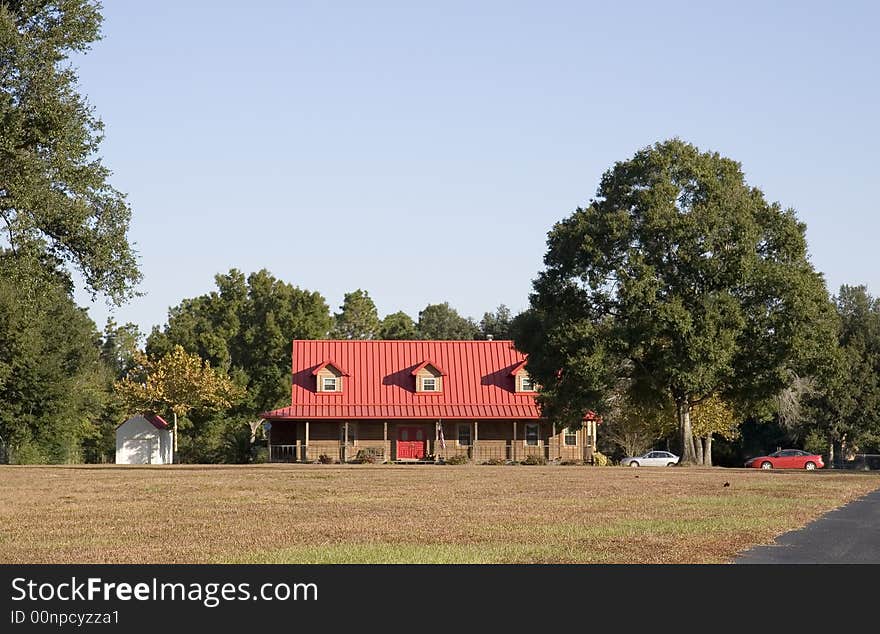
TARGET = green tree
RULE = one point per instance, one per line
(497, 324)
(54, 387)
(441, 321)
(843, 407)
(681, 278)
(177, 382)
(358, 317)
(120, 346)
(398, 326)
(55, 201)
(245, 327)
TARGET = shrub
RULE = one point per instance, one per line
(570, 463)
(496, 461)
(459, 459)
(27, 453)
(325, 459)
(260, 455)
(533, 459)
(600, 459)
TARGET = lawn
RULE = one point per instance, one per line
(424, 514)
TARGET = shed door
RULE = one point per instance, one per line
(410, 443)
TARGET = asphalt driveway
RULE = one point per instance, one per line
(848, 535)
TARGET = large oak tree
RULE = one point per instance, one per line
(680, 278)
(56, 204)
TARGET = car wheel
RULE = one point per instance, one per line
(810, 466)
(633, 463)
(766, 465)
(671, 464)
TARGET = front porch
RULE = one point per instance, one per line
(418, 441)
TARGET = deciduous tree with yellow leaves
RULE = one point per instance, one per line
(712, 416)
(177, 382)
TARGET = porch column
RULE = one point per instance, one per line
(385, 439)
(269, 440)
(476, 438)
(437, 441)
(513, 446)
(558, 448)
(306, 448)
(345, 445)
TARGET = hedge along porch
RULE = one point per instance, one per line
(416, 400)
(415, 440)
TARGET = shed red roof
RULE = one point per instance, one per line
(380, 384)
(154, 419)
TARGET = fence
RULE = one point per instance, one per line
(477, 454)
(860, 462)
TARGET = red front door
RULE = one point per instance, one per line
(410, 443)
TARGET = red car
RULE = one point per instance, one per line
(787, 459)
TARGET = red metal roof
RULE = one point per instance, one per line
(154, 419)
(380, 385)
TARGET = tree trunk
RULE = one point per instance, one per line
(698, 445)
(707, 454)
(174, 442)
(687, 437)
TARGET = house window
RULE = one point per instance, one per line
(571, 439)
(532, 435)
(526, 384)
(464, 435)
(429, 384)
(329, 384)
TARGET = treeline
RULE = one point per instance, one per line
(58, 372)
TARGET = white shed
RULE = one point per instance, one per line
(144, 439)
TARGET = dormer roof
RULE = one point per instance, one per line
(425, 364)
(519, 367)
(331, 364)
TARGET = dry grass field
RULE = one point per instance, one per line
(403, 514)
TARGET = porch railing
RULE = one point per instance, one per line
(549, 453)
(283, 453)
(477, 454)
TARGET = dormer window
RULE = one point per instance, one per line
(522, 382)
(428, 378)
(328, 377)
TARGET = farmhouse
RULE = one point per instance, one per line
(416, 400)
(144, 439)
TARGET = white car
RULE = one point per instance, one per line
(651, 459)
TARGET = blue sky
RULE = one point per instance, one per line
(422, 151)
